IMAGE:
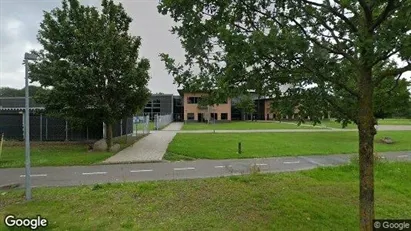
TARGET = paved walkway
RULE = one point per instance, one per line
(148, 149)
(89, 175)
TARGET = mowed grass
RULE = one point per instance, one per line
(51, 155)
(319, 199)
(151, 126)
(334, 124)
(246, 125)
(140, 126)
(56, 153)
(225, 146)
(394, 121)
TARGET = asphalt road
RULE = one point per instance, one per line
(87, 175)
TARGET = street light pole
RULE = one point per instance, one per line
(27, 57)
(27, 134)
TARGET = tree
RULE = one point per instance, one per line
(246, 104)
(91, 64)
(334, 53)
(13, 92)
(394, 100)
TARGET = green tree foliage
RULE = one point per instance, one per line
(337, 55)
(13, 92)
(246, 104)
(91, 64)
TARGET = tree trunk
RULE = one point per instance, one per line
(109, 135)
(367, 132)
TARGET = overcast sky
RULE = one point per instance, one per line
(20, 20)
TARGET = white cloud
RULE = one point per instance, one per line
(11, 68)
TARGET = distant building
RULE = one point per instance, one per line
(193, 111)
(164, 104)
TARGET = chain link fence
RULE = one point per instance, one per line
(160, 121)
(141, 124)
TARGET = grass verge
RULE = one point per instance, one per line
(245, 125)
(319, 199)
(394, 121)
(57, 153)
(224, 146)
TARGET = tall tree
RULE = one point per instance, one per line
(91, 64)
(334, 53)
(246, 104)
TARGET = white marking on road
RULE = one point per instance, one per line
(291, 162)
(261, 164)
(181, 169)
(142, 170)
(222, 166)
(34, 175)
(94, 173)
(402, 156)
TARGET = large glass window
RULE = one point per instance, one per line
(190, 116)
(156, 103)
(224, 116)
(193, 100)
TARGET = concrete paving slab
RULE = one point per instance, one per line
(150, 148)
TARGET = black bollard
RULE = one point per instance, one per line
(239, 147)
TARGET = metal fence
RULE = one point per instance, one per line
(160, 121)
(43, 128)
(141, 124)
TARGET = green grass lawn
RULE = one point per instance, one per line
(334, 124)
(319, 199)
(394, 121)
(56, 153)
(51, 155)
(224, 146)
(244, 125)
(140, 126)
(151, 126)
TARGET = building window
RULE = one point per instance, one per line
(193, 100)
(156, 110)
(190, 116)
(148, 104)
(156, 103)
(214, 116)
(224, 116)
